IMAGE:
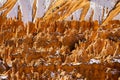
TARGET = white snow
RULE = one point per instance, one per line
(76, 14)
(116, 60)
(14, 11)
(2, 2)
(26, 10)
(57, 52)
(97, 6)
(41, 8)
(52, 74)
(3, 77)
(92, 61)
(100, 8)
(117, 17)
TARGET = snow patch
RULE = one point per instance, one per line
(13, 12)
(3, 77)
(92, 61)
(116, 60)
(57, 52)
(117, 17)
(52, 74)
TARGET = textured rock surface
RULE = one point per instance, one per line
(60, 45)
(63, 50)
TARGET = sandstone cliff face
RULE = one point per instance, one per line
(89, 10)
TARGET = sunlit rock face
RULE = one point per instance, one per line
(98, 10)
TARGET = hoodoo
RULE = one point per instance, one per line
(59, 39)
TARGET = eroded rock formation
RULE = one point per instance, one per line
(60, 40)
(59, 50)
